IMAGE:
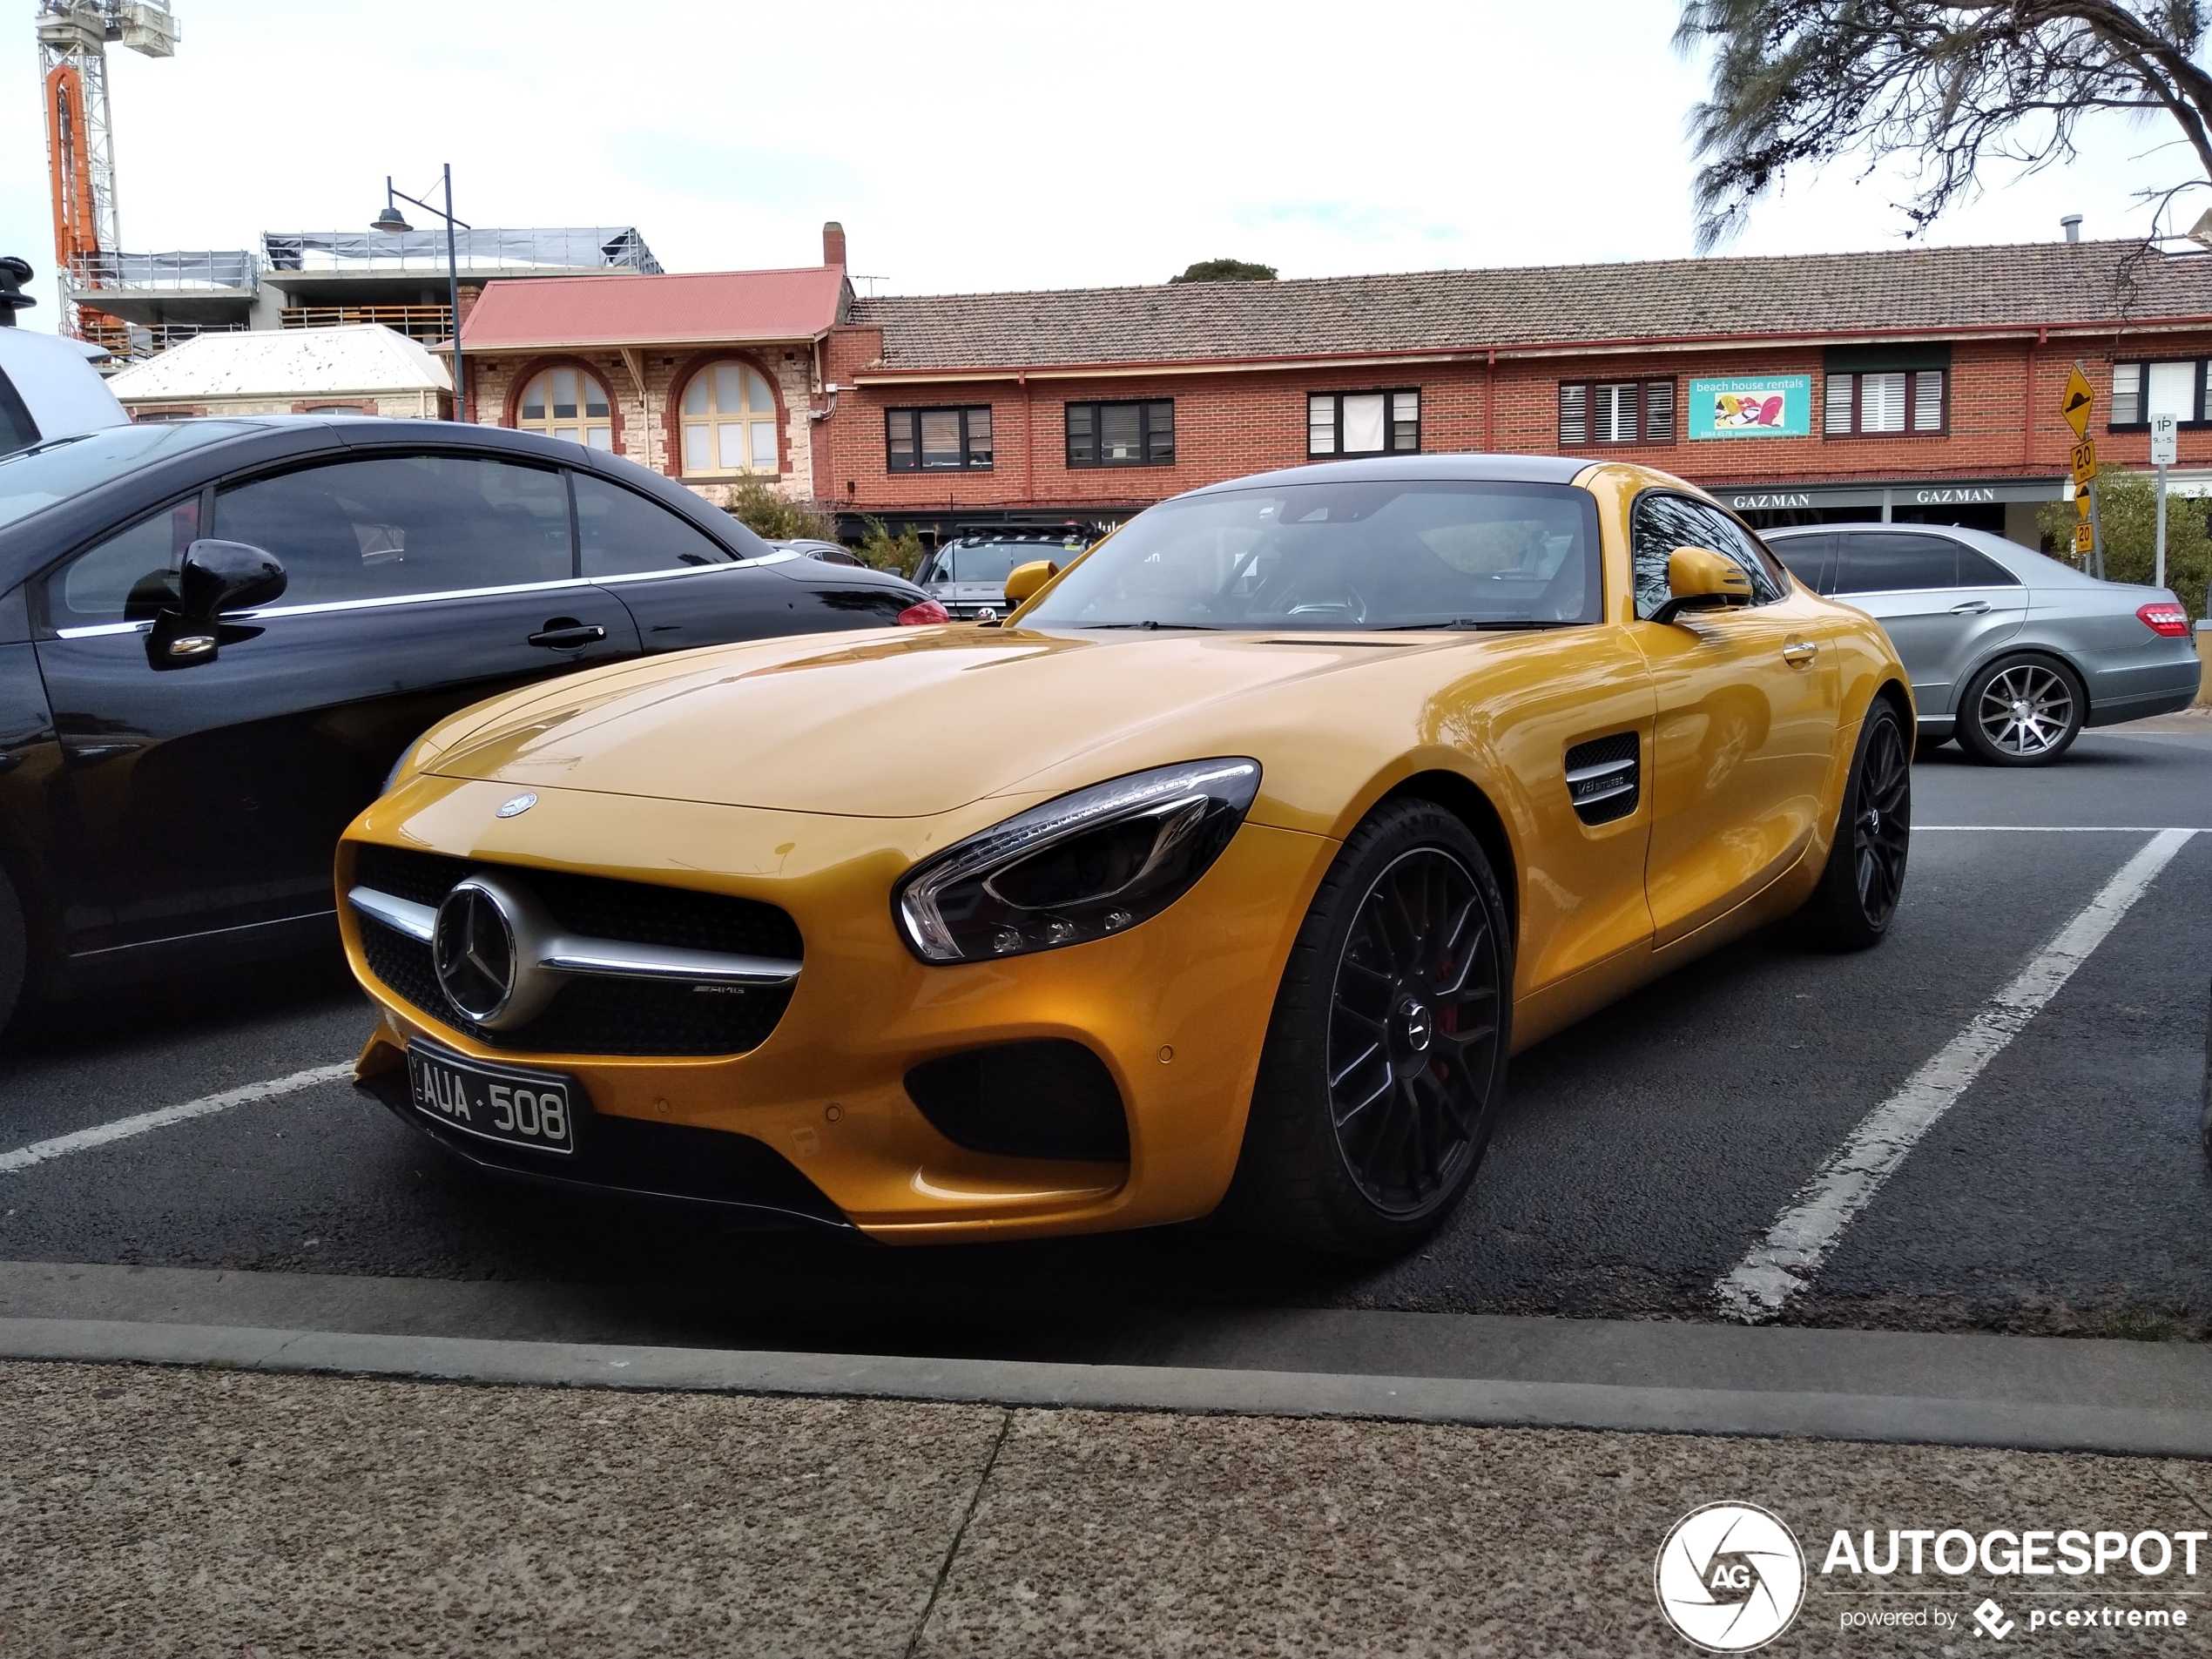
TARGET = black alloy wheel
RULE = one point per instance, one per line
(1412, 1031)
(2021, 711)
(1385, 1060)
(1865, 876)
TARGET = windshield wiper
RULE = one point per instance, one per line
(1185, 627)
(1475, 625)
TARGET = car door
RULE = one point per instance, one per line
(1745, 732)
(212, 797)
(1943, 605)
(685, 588)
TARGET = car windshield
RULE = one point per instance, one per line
(989, 561)
(39, 476)
(1362, 554)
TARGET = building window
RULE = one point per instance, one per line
(1122, 435)
(729, 419)
(568, 404)
(1616, 412)
(1363, 423)
(937, 440)
(1894, 402)
(2141, 390)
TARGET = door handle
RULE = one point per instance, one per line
(1798, 652)
(1970, 608)
(566, 633)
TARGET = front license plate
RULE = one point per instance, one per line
(532, 1109)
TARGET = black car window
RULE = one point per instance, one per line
(1661, 523)
(127, 577)
(18, 429)
(1892, 562)
(1811, 559)
(395, 525)
(1980, 571)
(622, 533)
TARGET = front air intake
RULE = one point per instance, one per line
(1054, 1099)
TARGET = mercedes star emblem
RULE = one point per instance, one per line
(518, 805)
(472, 948)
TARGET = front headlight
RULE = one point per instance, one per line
(1092, 863)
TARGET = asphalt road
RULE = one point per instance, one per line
(1641, 1155)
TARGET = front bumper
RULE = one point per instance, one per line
(1176, 1009)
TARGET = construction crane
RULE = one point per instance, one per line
(73, 36)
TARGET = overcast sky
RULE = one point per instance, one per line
(971, 145)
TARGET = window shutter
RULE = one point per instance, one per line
(1842, 390)
(1614, 418)
(1881, 403)
(1159, 431)
(1082, 435)
(1573, 414)
(978, 437)
(1928, 401)
(1321, 424)
(1659, 412)
(1406, 422)
(2127, 394)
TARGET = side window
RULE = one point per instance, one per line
(1810, 558)
(623, 534)
(1980, 571)
(127, 577)
(395, 525)
(1660, 523)
(1878, 562)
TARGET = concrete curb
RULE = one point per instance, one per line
(2013, 1424)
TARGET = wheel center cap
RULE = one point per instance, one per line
(2022, 711)
(1416, 1025)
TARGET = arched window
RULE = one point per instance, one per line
(568, 404)
(729, 422)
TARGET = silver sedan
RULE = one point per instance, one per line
(2010, 652)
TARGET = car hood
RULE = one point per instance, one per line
(884, 725)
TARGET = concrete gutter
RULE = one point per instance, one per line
(2083, 1419)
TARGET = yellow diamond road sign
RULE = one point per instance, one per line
(2077, 402)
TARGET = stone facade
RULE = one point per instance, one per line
(645, 388)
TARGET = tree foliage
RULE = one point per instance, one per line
(1947, 83)
(767, 511)
(882, 550)
(1226, 270)
(2127, 510)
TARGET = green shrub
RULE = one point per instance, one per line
(1226, 270)
(882, 550)
(767, 511)
(2127, 510)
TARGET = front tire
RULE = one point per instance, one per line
(1384, 1065)
(2021, 711)
(1859, 888)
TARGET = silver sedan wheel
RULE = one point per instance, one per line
(2026, 710)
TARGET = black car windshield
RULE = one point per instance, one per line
(989, 561)
(39, 476)
(1432, 553)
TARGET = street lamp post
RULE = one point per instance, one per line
(392, 219)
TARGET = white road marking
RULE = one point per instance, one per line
(2070, 829)
(1805, 1234)
(206, 1106)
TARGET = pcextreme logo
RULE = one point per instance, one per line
(1729, 1577)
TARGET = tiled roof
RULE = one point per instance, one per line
(1905, 290)
(708, 307)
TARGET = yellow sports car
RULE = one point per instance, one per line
(1230, 867)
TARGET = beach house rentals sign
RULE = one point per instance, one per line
(1751, 406)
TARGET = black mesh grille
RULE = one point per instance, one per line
(1025, 1100)
(1602, 799)
(594, 1016)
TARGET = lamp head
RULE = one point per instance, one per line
(390, 219)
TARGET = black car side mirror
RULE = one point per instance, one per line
(218, 577)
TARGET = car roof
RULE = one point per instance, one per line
(1470, 468)
(2031, 567)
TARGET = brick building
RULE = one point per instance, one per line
(1919, 384)
(708, 378)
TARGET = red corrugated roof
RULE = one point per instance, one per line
(712, 307)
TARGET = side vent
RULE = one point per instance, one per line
(1602, 776)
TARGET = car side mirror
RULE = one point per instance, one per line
(1027, 579)
(1700, 579)
(218, 578)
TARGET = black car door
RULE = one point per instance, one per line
(212, 797)
(685, 588)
